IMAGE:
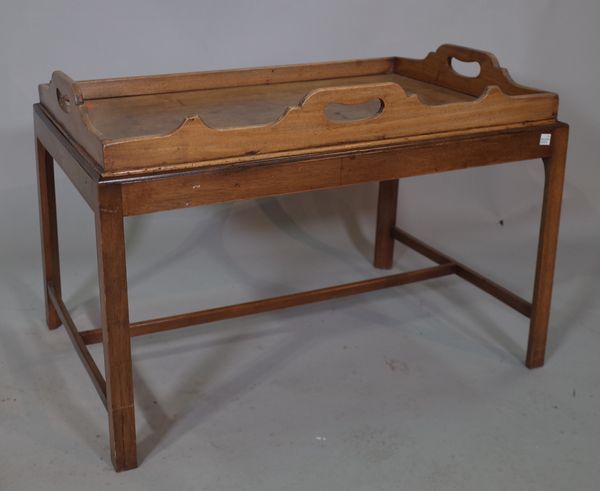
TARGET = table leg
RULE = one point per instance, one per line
(112, 275)
(48, 230)
(554, 168)
(386, 221)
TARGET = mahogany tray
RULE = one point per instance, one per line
(147, 124)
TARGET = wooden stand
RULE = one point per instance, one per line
(112, 196)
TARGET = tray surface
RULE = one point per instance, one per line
(148, 124)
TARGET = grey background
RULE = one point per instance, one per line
(420, 387)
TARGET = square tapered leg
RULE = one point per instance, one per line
(554, 168)
(48, 230)
(112, 275)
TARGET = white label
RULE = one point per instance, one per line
(545, 139)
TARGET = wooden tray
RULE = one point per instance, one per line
(148, 124)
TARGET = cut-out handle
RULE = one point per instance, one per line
(339, 112)
(64, 89)
(469, 69)
(467, 55)
(438, 68)
(352, 103)
(491, 73)
(64, 101)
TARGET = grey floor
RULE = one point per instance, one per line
(420, 387)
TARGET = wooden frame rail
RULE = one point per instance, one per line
(275, 303)
(494, 289)
(78, 343)
(446, 266)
